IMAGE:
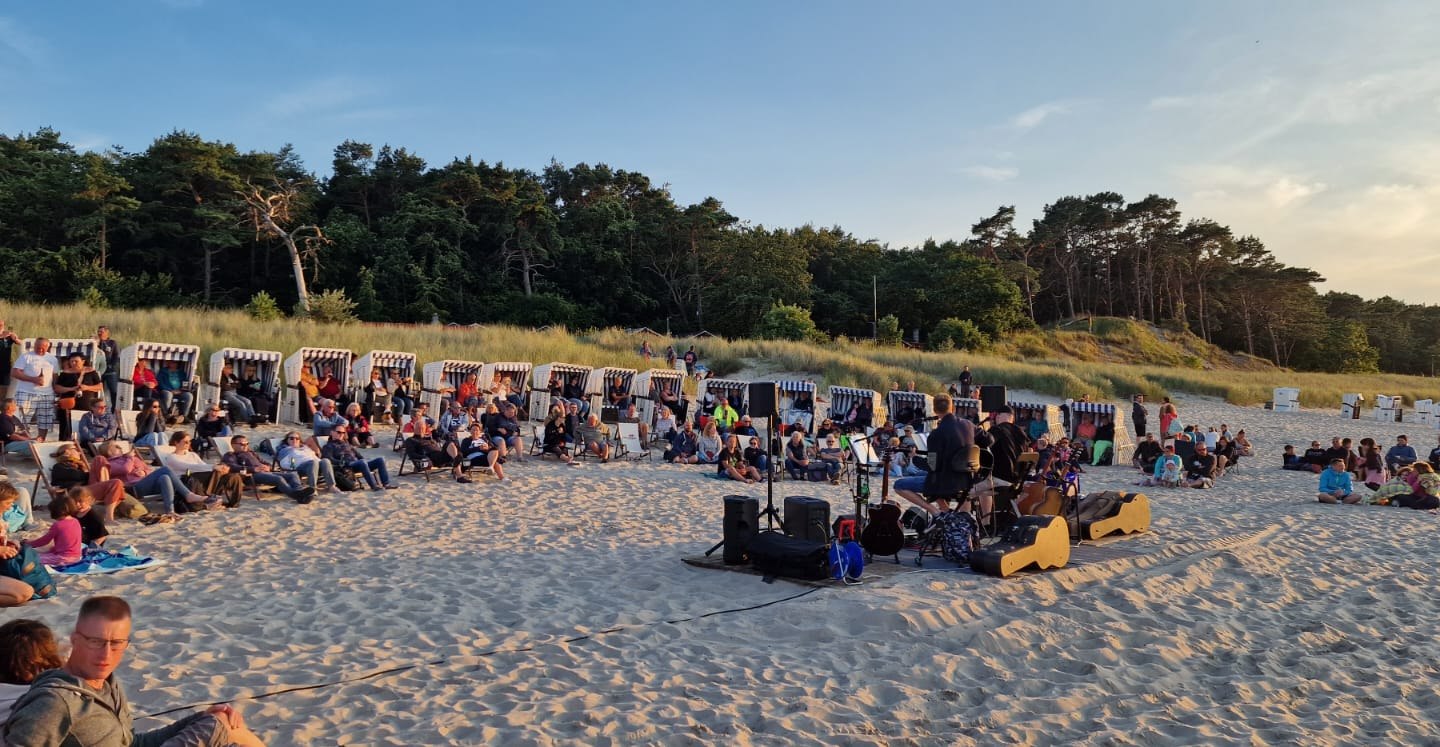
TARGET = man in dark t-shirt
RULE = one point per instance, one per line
(1009, 442)
(8, 341)
(111, 375)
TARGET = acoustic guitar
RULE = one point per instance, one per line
(883, 533)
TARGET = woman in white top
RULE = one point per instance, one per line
(214, 480)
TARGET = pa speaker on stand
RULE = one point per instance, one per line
(992, 397)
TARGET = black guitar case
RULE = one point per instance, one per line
(775, 554)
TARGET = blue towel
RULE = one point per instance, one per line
(96, 560)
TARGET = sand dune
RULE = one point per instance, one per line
(553, 608)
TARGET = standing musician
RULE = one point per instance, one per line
(950, 476)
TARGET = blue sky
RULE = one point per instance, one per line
(1308, 124)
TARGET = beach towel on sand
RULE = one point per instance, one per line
(104, 561)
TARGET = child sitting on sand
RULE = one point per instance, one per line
(64, 535)
(1167, 470)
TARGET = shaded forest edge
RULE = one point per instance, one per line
(839, 362)
(386, 237)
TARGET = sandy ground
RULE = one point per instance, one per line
(553, 608)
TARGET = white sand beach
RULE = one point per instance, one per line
(1252, 615)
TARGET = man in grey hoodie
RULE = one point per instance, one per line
(82, 703)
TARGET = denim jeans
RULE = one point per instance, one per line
(181, 400)
(371, 469)
(164, 483)
(240, 408)
(150, 439)
(402, 406)
(111, 381)
(286, 481)
(316, 470)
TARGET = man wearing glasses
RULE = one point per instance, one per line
(246, 462)
(83, 703)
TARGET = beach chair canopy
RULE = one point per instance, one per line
(842, 398)
(729, 389)
(387, 361)
(316, 359)
(647, 388)
(440, 378)
(1122, 443)
(601, 378)
(156, 354)
(1046, 413)
(61, 347)
(267, 366)
(517, 372)
(567, 372)
(910, 408)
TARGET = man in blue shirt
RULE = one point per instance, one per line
(172, 380)
(1335, 486)
(1402, 454)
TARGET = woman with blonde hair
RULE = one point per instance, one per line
(710, 445)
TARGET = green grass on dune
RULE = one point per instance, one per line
(1033, 360)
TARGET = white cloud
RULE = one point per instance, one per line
(991, 173)
(1284, 192)
(1033, 116)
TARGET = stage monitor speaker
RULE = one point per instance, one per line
(764, 396)
(742, 520)
(992, 397)
(807, 518)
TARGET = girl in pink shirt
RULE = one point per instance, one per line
(63, 535)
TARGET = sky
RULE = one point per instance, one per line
(1310, 124)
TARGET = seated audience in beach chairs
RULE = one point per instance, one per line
(468, 393)
(402, 398)
(1402, 454)
(14, 431)
(114, 462)
(619, 394)
(150, 424)
(455, 422)
(211, 425)
(744, 427)
(731, 463)
(343, 456)
(665, 424)
(557, 433)
(217, 481)
(504, 431)
(97, 426)
(357, 427)
(425, 450)
(377, 396)
(632, 415)
(298, 456)
(147, 386)
(1146, 453)
(594, 438)
(1200, 467)
(797, 456)
(70, 470)
(328, 387)
(675, 403)
(175, 391)
(827, 427)
(256, 391)
(478, 453)
(684, 446)
(241, 411)
(1166, 470)
(1335, 486)
(241, 459)
(860, 416)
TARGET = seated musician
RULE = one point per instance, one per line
(946, 488)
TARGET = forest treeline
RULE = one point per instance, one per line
(179, 224)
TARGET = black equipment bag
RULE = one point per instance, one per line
(774, 554)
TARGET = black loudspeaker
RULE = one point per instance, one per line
(992, 397)
(764, 397)
(609, 414)
(775, 554)
(807, 518)
(742, 520)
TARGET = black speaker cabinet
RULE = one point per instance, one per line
(807, 518)
(742, 520)
(992, 397)
(764, 396)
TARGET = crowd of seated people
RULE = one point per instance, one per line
(1394, 476)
